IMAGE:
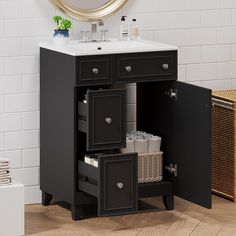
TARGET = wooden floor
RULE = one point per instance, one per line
(186, 219)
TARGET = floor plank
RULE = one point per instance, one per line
(228, 229)
(186, 219)
(209, 225)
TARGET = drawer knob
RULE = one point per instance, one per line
(165, 66)
(108, 120)
(128, 68)
(95, 71)
(119, 185)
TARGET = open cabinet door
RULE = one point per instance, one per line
(181, 114)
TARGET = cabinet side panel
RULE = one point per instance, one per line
(57, 124)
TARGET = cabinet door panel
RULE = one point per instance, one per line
(184, 123)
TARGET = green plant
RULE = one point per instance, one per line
(65, 24)
(62, 24)
(57, 19)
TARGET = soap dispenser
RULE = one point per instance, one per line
(134, 30)
(124, 29)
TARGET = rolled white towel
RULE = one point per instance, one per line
(95, 162)
(5, 181)
(4, 176)
(2, 165)
(4, 161)
(154, 144)
(5, 168)
(5, 164)
(88, 160)
(5, 171)
(129, 146)
(140, 145)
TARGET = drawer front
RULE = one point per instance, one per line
(118, 192)
(146, 67)
(95, 70)
(106, 119)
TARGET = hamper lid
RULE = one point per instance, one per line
(229, 95)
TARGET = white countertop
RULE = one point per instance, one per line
(114, 46)
(11, 185)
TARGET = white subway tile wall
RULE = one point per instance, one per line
(204, 30)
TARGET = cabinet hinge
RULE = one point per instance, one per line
(172, 93)
(172, 168)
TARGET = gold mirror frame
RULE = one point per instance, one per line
(99, 13)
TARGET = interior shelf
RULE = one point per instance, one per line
(162, 188)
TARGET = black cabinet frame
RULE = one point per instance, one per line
(177, 111)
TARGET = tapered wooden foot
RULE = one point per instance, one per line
(46, 198)
(76, 212)
(168, 202)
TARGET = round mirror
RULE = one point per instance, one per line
(89, 10)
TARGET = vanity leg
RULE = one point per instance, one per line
(168, 202)
(46, 198)
(76, 212)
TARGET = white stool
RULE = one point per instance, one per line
(12, 210)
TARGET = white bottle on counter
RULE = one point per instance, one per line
(124, 29)
(134, 30)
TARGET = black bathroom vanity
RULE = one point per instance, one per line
(83, 111)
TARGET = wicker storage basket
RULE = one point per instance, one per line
(224, 144)
(150, 167)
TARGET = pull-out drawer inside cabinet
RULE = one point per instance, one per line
(102, 117)
(114, 182)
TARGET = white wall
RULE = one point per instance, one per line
(205, 30)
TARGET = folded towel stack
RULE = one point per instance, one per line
(142, 142)
(5, 172)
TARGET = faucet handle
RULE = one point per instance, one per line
(87, 35)
(83, 36)
(104, 35)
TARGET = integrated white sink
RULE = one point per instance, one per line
(110, 45)
(77, 48)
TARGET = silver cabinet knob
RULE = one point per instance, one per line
(128, 68)
(108, 120)
(95, 71)
(165, 66)
(119, 185)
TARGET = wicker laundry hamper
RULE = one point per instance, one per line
(150, 167)
(224, 144)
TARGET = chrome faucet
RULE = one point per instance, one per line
(94, 30)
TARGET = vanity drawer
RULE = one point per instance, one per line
(116, 192)
(103, 119)
(94, 70)
(146, 67)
